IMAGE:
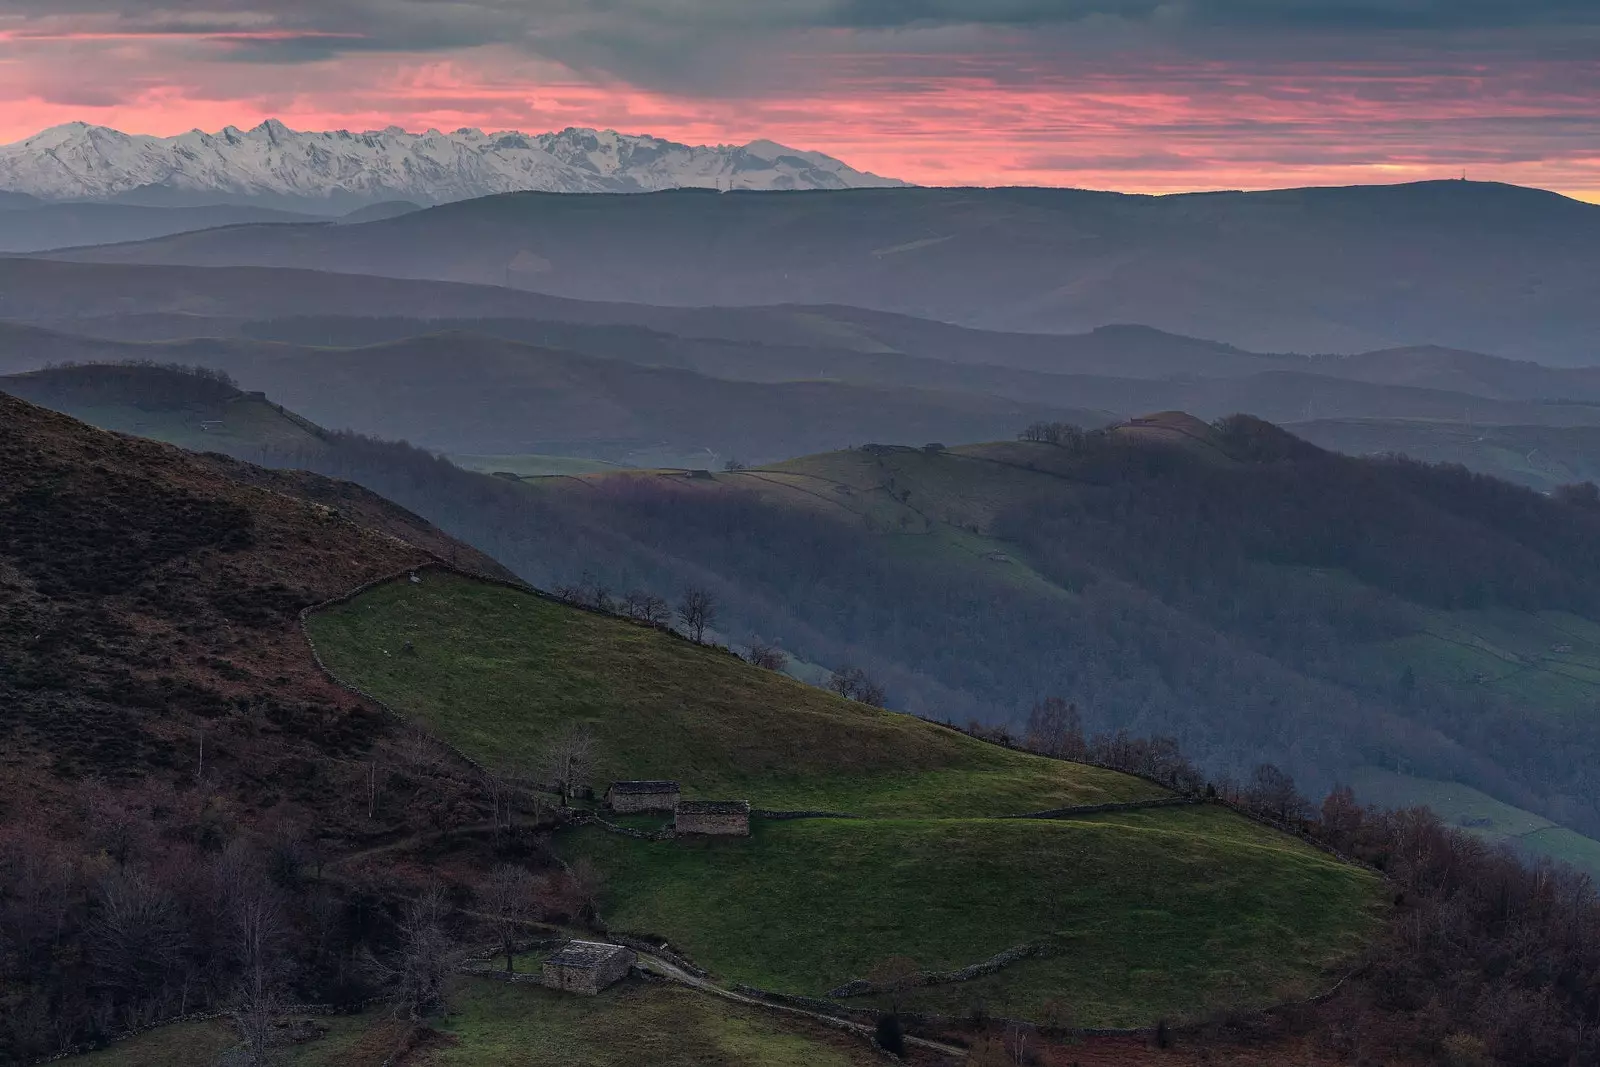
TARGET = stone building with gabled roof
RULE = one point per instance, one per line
(721, 818)
(627, 797)
(586, 967)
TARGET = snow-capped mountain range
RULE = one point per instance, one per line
(78, 161)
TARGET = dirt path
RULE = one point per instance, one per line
(678, 974)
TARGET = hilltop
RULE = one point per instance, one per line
(152, 598)
(1231, 585)
(463, 394)
(1466, 265)
(804, 906)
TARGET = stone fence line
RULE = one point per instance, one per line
(760, 813)
(1098, 809)
(860, 987)
(205, 1017)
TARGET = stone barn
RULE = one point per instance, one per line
(586, 967)
(723, 818)
(627, 797)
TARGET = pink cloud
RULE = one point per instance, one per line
(1162, 125)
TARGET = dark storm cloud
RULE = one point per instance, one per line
(424, 25)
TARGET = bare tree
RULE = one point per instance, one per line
(769, 656)
(1064, 434)
(1056, 729)
(136, 940)
(1272, 792)
(422, 967)
(853, 683)
(647, 607)
(510, 897)
(569, 762)
(500, 793)
(259, 929)
(697, 610)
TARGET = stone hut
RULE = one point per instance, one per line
(723, 818)
(627, 797)
(586, 967)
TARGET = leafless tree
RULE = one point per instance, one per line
(510, 897)
(1064, 434)
(1056, 729)
(697, 610)
(768, 656)
(647, 607)
(1019, 1042)
(853, 683)
(569, 762)
(137, 940)
(259, 929)
(421, 969)
(1272, 792)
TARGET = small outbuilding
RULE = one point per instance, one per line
(722, 818)
(627, 797)
(586, 967)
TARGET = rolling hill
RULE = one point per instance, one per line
(151, 607)
(804, 906)
(897, 559)
(1235, 587)
(1468, 265)
(48, 226)
(465, 394)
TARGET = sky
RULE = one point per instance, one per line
(1137, 95)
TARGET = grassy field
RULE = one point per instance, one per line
(533, 466)
(1149, 915)
(246, 423)
(1465, 807)
(497, 1025)
(499, 673)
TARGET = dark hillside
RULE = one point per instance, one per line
(1234, 586)
(150, 596)
(1465, 264)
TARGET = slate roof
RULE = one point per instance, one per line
(584, 954)
(715, 807)
(645, 787)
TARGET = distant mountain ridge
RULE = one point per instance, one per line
(343, 169)
(1488, 268)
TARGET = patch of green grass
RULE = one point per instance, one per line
(1161, 913)
(498, 1025)
(493, 1024)
(181, 1045)
(1457, 804)
(1568, 846)
(1467, 808)
(499, 673)
(534, 466)
(1548, 660)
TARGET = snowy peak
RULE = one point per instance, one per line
(77, 161)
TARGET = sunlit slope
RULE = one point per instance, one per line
(1162, 913)
(1154, 913)
(500, 672)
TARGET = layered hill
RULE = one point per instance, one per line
(466, 394)
(1143, 913)
(1234, 586)
(150, 599)
(1469, 265)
